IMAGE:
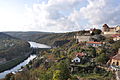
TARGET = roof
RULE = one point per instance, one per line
(112, 27)
(92, 29)
(92, 42)
(80, 54)
(105, 25)
(116, 35)
(116, 57)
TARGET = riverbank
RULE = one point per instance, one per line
(14, 62)
(18, 67)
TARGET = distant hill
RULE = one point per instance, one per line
(28, 35)
(5, 36)
(42, 37)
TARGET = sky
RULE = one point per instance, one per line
(57, 15)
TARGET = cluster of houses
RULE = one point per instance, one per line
(88, 41)
(115, 35)
(113, 31)
(2, 60)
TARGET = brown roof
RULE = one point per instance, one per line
(116, 57)
(80, 54)
(105, 25)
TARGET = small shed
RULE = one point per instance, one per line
(78, 57)
(76, 60)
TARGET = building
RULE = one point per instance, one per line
(110, 30)
(92, 30)
(77, 58)
(83, 38)
(94, 44)
(115, 61)
(116, 37)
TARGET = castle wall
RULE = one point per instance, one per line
(83, 38)
(110, 32)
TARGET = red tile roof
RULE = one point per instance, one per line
(92, 42)
(80, 54)
(116, 35)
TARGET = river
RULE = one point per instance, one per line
(31, 57)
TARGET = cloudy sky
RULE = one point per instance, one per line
(57, 15)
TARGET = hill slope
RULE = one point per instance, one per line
(42, 37)
(11, 47)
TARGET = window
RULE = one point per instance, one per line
(76, 60)
(113, 63)
(117, 64)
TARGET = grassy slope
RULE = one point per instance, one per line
(11, 47)
(13, 50)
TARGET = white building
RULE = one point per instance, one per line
(94, 44)
(76, 60)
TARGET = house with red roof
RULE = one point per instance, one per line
(94, 44)
(77, 59)
(80, 54)
(116, 37)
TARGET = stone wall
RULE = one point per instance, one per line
(110, 32)
(83, 38)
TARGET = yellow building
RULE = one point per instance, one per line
(117, 29)
(110, 30)
(116, 59)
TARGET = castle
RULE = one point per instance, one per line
(110, 30)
